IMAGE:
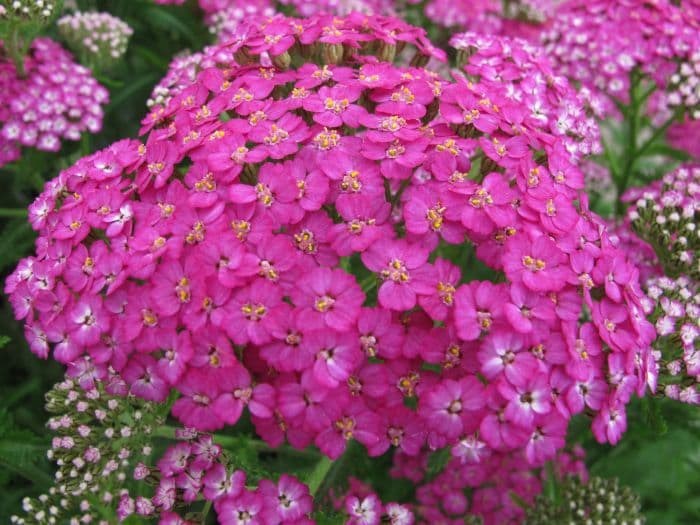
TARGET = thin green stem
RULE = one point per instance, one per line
(659, 132)
(13, 212)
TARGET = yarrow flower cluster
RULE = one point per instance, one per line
(99, 39)
(226, 23)
(182, 72)
(655, 38)
(18, 11)
(280, 241)
(523, 74)
(676, 313)
(598, 501)
(197, 469)
(666, 214)
(98, 434)
(490, 492)
(56, 99)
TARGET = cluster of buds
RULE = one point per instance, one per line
(684, 88)
(677, 317)
(598, 501)
(98, 433)
(666, 214)
(55, 98)
(99, 39)
(27, 11)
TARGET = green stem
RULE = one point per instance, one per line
(658, 132)
(13, 212)
(318, 475)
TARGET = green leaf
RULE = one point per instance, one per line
(4, 341)
(438, 461)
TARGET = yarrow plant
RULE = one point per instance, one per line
(53, 99)
(665, 215)
(279, 241)
(98, 435)
(99, 39)
(599, 501)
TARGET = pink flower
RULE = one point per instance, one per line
(398, 264)
(328, 298)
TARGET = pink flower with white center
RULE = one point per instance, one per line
(245, 508)
(364, 511)
(502, 352)
(527, 397)
(397, 263)
(548, 436)
(328, 298)
(89, 321)
(469, 450)
(175, 459)
(141, 373)
(398, 514)
(288, 500)
(337, 355)
(444, 405)
(610, 423)
(219, 483)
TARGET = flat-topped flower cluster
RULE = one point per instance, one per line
(286, 238)
(54, 99)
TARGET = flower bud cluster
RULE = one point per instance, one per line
(19, 11)
(98, 39)
(96, 437)
(676, 316)
(598, 501)
(684, 87)
(55, 99)
(666, 214)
